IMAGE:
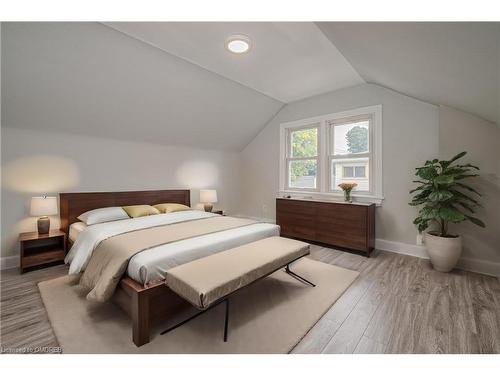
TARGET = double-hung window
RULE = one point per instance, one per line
(318, 154)
(350, 156)
(302, 158)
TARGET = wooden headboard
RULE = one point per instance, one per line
(74, 204)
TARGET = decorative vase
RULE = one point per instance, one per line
(347, 195)
(444, 252)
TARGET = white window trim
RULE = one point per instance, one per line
(376, 172)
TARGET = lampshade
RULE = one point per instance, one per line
(208, 196)
(43, 206)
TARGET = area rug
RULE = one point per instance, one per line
(270, 316)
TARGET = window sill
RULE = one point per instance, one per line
(335, 197)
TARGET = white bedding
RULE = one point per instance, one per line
(87, 241)
(151, 264)
(75, 229)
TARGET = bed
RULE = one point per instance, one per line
(141, 292)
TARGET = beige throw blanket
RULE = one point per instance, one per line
(110, 259)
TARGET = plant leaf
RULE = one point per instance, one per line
(462, 176)
(440, 195)
(443, 179)
(451, 214)
(421, 187)
(457, 156)
(468, 188)
(467, 166)
(466, 206)
(461, 195)
(427, 173)
(429, 213)
(476, 221)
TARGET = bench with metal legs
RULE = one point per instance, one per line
(226, 300)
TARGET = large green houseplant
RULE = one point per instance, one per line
(446, 198)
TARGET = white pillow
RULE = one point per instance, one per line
(103, 215)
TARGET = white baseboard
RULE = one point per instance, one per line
(480, 266)
(9, 262)
(474, 265)
(401, 248)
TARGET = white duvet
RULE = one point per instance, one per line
(87, 241)
(152, 264)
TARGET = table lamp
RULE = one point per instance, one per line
(208, 197)
(43, 206)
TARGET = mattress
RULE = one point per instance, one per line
(75, 229)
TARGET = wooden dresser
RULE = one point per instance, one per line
(338, 224)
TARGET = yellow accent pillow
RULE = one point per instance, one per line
(140, 210)
(166, 208)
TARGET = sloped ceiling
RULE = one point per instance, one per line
(89, 79)
(288, 61)
(454, 64)
(174, 83)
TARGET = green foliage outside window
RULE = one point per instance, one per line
(304, 143)
(357, 140)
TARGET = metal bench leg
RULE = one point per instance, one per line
(226, 320)
(183, 322)
(300, 278)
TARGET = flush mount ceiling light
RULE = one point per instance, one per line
(238, 44)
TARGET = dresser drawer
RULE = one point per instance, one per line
(295, 207)
(298, 231)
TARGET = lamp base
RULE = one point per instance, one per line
(43, 225)
(208, 207)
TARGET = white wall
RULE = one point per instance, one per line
(35, 162)
(413, 131)
(460, 131)
(410, 136)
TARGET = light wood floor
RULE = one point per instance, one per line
(398, 304)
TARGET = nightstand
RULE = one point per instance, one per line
(39, 250)
(219, 212)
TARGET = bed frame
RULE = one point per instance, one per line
(146, 305)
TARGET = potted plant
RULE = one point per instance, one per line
(445, 199)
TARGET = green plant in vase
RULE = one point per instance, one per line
(446, 198)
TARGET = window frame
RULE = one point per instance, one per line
(289, 158)
(322, 190)
(351, 157)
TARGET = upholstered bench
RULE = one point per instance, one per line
(209, 281)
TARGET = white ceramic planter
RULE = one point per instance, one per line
(443, 251)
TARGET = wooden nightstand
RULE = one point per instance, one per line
(219, 212)
(42, 249)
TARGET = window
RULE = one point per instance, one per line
(350, 152)
(318, 154)
(302, 158)
(354, 171)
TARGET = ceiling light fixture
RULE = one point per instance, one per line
(238, 44)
